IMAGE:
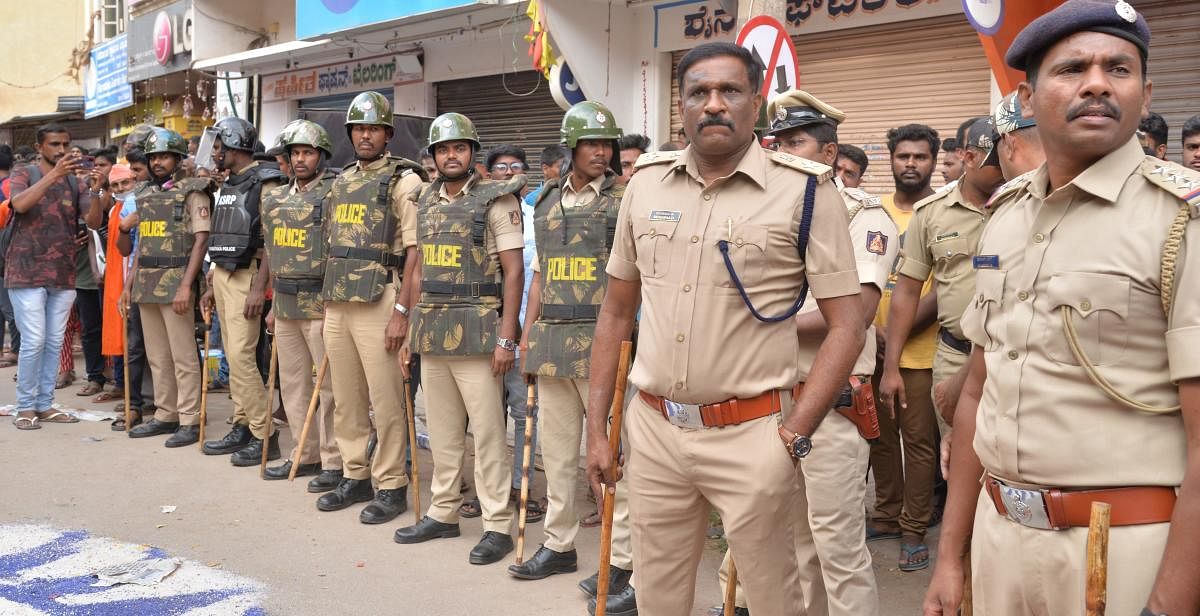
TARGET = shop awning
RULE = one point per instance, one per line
(256, 60)
(42, 118)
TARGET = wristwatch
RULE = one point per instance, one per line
(402, 309)
(797, 445)
(506, 344)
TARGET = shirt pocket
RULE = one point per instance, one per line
(748, 254)
(1099, 305)
(951, 258)
(982, 319)
(652, 239)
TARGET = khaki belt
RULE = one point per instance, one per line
(1058, 509)
(720, 414)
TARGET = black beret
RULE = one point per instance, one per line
(1118, 19)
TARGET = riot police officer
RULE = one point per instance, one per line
(173, 223)
(294, 218)
(471, 268)
(372, 246)
(238, 284)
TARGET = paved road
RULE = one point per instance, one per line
(84, 487)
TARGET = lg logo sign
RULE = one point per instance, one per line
(171, 36)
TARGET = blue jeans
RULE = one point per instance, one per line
(514, 393)
(41, 314)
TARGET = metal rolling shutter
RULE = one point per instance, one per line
(501, 116)
(1174, 39)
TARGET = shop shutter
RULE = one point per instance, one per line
(1174, 69)
(513, 108)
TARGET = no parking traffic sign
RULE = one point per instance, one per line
(770, 44)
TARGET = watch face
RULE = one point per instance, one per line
(801, 446)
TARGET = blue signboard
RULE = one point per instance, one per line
(320, 17)
(106, 87)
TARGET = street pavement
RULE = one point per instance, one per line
(79, 497)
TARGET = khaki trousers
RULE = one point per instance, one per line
(366, 378)
(239, 338)
(561, 408)
(1020, 570)
(904, 459)
(946, 363)
(677, 475)
(170, 341)
(458, 389)
(300, 348)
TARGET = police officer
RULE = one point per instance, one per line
(295, 217)
(1084, 378)
(575, 219)
(238, 283)
(173, 223)
(465, 329)
(835, 566)
(372, 250)
(1016, 144)
(707, 241)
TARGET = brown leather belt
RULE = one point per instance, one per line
(728, 413)
(1058, 509)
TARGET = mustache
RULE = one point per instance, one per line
(1094, 104)
(713, 121)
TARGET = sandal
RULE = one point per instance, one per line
(56, 416)
(109, 396)
(118, 424)
(913, 556)
(64, 379)
(24, 422)
(7, 363)
(90, 389)
(876, 535)
(470, 508)
(590, 520)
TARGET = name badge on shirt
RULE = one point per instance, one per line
(665, 215)
(946, 236)
(985, 261)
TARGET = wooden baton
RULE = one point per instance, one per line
(204, 377)
(308, 417)
(272, 374)
(526, 452)
(415, 480)
(729, 607)
(1096, 595)
(609, 495)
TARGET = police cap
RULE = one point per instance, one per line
(1118, 19)
(796, 108)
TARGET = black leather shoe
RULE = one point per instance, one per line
(719, 610)
(326, 481)
(251, 454)
(387, 505)
(274, 473)
(624, 604)
(239, 436)
(544, 563)
(618, 579)
(491, 548)
(347, 492)
(153, 427)
(425, 530)
(184, 436)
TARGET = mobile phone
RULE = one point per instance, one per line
(87, 162)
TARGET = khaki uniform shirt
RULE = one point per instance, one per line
(574, 198)
(874, 236)
(1093, 247)
(698, 342)
(504, 230)
(942, 238)
(199, 213)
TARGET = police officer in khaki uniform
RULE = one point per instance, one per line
(574, 220)
(835, 565)
(372, 249)
(295, 218)
(465, 328)
(237, 288)
(1016, 143)
(942, 239)
(707, 244)
(173, 223)
(1084, 380)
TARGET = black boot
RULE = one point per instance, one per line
(719, 610)
(347, 492)
(282, 471)
(545, 563)
(184, 436)
(239, 436)
(251, 454)
(624, 604)
(153, 427)
(618, 579)
(426, 530)
(326, 481)
(491, 548)
(387, 505)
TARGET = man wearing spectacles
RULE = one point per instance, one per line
(506, 160)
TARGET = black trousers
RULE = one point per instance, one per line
(136, 352)
(88, 302)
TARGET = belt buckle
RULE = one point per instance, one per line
(683, 415)
(1025, 507)
(475, 289)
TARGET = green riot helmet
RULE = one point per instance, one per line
(369, 108)
(591, 120)
(453, 127)
(236, 134)
(137, 137)
(305, 132)
(161, 140)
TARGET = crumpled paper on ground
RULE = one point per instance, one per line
(145, 572)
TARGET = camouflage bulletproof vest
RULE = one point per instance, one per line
(294, 226)
(460, 284)
(362, 226)
(164, 243)
(573, 247)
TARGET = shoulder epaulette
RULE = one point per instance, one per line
(863, 197)
(657, 158)
(195, 184)
(1010, 188)
(822, 172)
(935, 197)
(1178, 180)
